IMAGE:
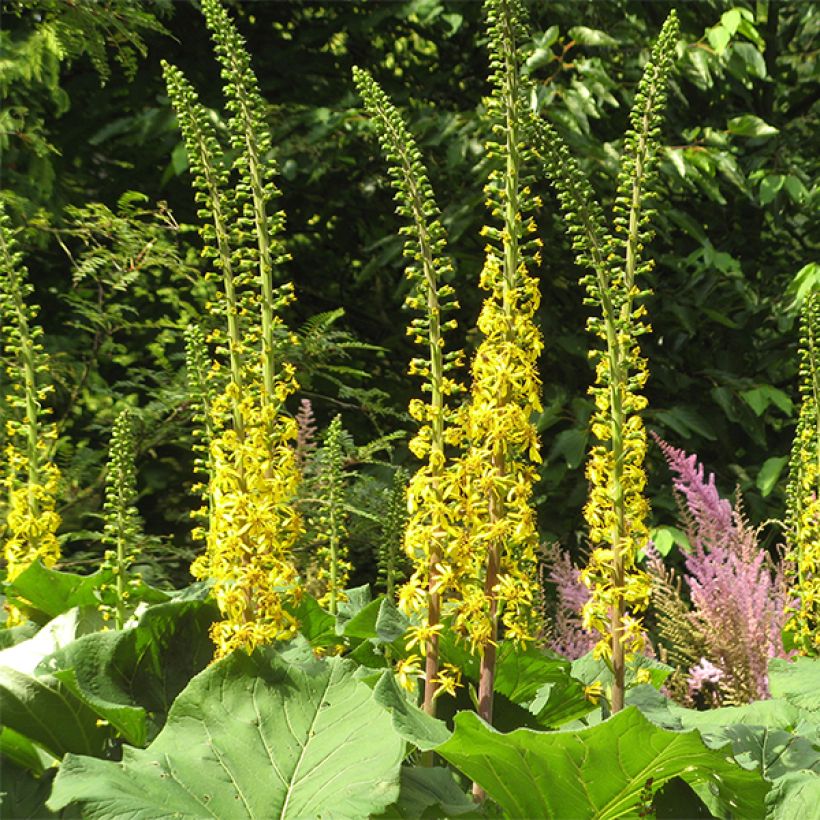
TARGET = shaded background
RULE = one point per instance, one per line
(86, 120)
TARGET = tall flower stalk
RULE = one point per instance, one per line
(29, 476)
(502, 444)
(803, 494)
(394, 524)
(123, 528)
(431, 534)
(617, 510)
(252, 520)
(256, 192)
(324, 496)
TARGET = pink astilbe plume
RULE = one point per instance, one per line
(306, 432)
(567, 636)
(710, 519)
(737, 595)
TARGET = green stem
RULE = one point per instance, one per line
(263, 237)
(334, 553)
(120, 615)
(29, 363)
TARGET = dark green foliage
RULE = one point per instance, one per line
(39, 39)
(736, 172)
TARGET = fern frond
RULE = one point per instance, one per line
(681, 644)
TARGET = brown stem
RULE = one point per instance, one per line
(487, 669)
(618, 659)
(486, 678)
(431, 662)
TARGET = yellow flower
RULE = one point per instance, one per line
(447, 680)
(253, 524)
(408, 671)
(421, 634)
(593, 692)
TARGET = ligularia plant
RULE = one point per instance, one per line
(29, 476)
(502, 444)
(617, 510)
(471, 531)
(123, 529)
(327, 565)
(803, 493)
(252, 523)
(432, 536)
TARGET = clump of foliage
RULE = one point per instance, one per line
(311, 705)
(38, 38)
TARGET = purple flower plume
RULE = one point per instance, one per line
(569, 638)
(738, 602)
(306, 432)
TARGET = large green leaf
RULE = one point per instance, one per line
(11, 636)
(430, 792)
(415, 726)
(24, 796)
(124, 674)
(770, 714)
(764, 734)
(251, 737)
(595, 772)
(794, 796)
(318, 626)
(559, 702)
(521, 671)
(45, 710)
(589, 670)
(379, 621)
(537, 688)
(57, 633)
(798, 681)
(53, 592)
(40, 589)
(356, 599)
(20, 750)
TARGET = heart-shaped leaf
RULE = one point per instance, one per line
(272, 740)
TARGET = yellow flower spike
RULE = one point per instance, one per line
(803, 492)
(29, 477)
